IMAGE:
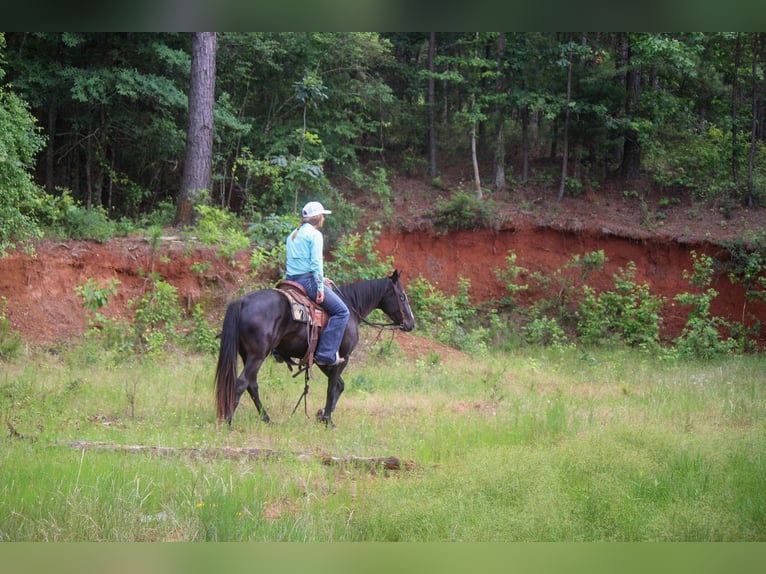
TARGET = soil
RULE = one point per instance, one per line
(653, 229)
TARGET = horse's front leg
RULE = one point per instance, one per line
(335, 387)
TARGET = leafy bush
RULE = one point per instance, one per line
(509, 276)
(451, 320)
(20, 198)
(544, 331)
(107, 333)
(202, 338)
(695, 160)
(95, 296)
(157, 315)
(628, 313)
(10, 341)
(462, 212)
(702, 336)
(221, 228)
(355, 258)
(560, 292)
(62, 216)
(271, 230)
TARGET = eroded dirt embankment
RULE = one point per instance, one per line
(476, 254)
(43, 307)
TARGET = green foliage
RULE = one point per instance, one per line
(703, 334)
(449, 319)
(746, 266)
(10, 340)
(62, 216)
(20, 197)
(276, 184)
(376, 187)
(355, 258)
(628, 313)
(202, 337)
(462, 212)
(543, 331)
(509, 276)
(157, 315)
(696, 160)
(221, 228)
(271, 230)
(107, 333)
(94, 296)
(559, 292)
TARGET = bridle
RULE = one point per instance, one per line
(401, 298)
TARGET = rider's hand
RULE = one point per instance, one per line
(320, 297)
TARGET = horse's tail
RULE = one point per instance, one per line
(226, 371)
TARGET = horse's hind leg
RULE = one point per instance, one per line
(250, 373)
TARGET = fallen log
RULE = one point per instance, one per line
(385, 462)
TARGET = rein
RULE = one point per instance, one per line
(391, 326)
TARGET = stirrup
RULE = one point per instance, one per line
(337, 361)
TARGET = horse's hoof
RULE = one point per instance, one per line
(326, 420)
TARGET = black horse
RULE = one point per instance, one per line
(261, 322)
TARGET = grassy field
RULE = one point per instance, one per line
(537, 445)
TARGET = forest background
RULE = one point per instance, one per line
(104, 132)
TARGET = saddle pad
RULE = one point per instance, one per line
(303, 309)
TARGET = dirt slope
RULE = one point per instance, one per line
(43, 307)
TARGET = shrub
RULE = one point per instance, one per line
(544, 331)
(202, 338)
(157, 315)
(221, 228)
(628, 313)
(702, 337)
(20, 198)
(509, 276)
(462, 211)
(451, 320)
(10, 341)
(355, 258)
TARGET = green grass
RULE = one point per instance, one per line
(538, 445)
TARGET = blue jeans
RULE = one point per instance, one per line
(332, 335)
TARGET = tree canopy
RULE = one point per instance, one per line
(102, 117)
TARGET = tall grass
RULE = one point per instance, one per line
(535, 445)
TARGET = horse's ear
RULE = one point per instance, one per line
(395, 276)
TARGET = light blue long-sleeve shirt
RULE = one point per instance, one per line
(305, 253)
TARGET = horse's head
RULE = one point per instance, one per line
(396, 305)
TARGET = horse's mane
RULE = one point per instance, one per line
(360, 295)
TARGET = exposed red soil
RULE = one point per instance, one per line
(545, 235)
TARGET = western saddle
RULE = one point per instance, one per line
(303, 310)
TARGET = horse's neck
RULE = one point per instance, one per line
(364, 296)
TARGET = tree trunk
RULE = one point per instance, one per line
(734, 120)
(500, 142)
(197, 174)
(475, 159)
(525, 144)
(754, 123)
(432, 169)
(50, 152)
(631, 149)
(565, 151)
